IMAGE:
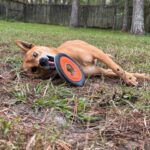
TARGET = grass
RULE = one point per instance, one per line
(104, 113)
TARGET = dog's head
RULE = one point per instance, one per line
(38, 60)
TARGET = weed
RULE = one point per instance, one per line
(20, 96)
(5, 126)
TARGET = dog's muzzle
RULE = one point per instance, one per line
(47, 62)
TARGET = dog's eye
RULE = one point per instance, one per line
(34, 69)
(35, 54)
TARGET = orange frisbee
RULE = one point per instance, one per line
(69, 70)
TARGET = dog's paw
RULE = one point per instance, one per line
(130, 79)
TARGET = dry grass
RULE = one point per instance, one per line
(46, 115)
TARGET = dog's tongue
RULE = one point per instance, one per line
(52, 64)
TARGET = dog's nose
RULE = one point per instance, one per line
(43, 61)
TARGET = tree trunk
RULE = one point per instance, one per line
(103, 2)
(137, 26)
(64, 2)
(126, 15)
(88, 2)
(56, 1)
(69, 2)
(74, 20)
(49, 2)
(115, 17)
(32, 1)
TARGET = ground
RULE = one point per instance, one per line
(49, 114)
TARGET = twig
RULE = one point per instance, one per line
(49, 147)
(31, 142)
(2, 111)
(46, 88)
(145, 124)
(1, 77)
(63, 145)
(45, 115)
(8, 143)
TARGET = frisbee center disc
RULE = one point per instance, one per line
(70, 69)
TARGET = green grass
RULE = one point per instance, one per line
(124, 46)
(93, 106)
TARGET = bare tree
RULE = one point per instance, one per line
(88, 2)
(103, 2)
(64, 1)
(126, 15)
(56, 1)
(74, 19)
(31, 1)
(49, 2)
(137, 26)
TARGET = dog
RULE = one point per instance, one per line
(38, 61)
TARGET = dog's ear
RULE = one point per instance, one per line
(24, 45)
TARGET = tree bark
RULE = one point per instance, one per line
(56, 1)
(103, 2)
(64, 2)
(74, 19)
(137, 26)
(32, 1)
(49, 2)
(126, 15)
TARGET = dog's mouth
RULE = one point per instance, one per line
(47, 62)
(51, 62)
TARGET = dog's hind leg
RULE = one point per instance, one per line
(95, 70)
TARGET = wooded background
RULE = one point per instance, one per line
(90, 15)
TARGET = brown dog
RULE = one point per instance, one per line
(37, 60)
